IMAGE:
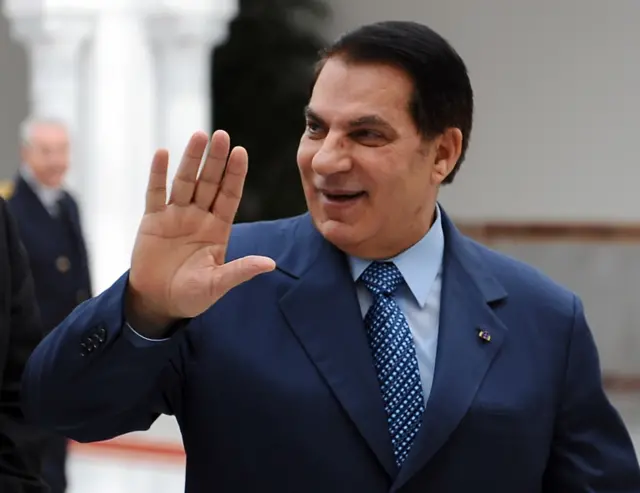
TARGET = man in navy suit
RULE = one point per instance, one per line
(364, 347)
(48, 220)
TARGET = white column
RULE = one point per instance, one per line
(118, 111)
(141, 83)
(182, 44)
(54, 43)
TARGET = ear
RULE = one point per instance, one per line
(447, 150)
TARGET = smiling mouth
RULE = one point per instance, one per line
(343, 196)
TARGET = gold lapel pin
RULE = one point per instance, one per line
(484, 335)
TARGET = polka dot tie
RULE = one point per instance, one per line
(394, 357)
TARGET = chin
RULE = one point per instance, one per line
(55, 182)
(345, 237)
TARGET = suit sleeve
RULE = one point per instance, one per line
(93, 378)
(592, 451)
(17, 472)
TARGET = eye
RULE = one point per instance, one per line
(368, 137)
(367, 134)
(313, 128)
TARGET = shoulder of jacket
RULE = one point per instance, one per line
(6, 189)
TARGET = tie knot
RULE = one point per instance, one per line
(382, 278)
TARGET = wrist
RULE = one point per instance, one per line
(143, 317)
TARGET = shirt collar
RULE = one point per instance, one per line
(419, 265)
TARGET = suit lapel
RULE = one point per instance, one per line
(68, 214)
(323, 311)
(463, 358)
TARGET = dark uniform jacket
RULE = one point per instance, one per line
(20, 332)
(56, 250)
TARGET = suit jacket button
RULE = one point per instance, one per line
(63, 264)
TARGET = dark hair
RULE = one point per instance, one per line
(442, 98)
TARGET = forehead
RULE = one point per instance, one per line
(346, 90)
(48, 132)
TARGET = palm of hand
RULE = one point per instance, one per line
(178, 265)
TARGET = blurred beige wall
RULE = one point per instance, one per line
(14, 86)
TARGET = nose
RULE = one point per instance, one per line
(332, 157)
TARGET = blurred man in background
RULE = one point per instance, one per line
(49, 224)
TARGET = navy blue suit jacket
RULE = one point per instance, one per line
(274, 388)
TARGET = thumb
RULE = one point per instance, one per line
(234, 273)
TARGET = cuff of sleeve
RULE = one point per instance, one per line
(140, 340)
(128, 326)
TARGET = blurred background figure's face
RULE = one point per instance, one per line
(47, 153)
(367, 173)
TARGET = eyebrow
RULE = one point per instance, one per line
(373, 120)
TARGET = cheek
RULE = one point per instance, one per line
(387, 183)
(304, 157)
(391, 201)
(418, 193)
(400, 193)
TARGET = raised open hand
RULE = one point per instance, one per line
(178, 267)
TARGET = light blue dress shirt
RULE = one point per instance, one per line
(419, 298)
